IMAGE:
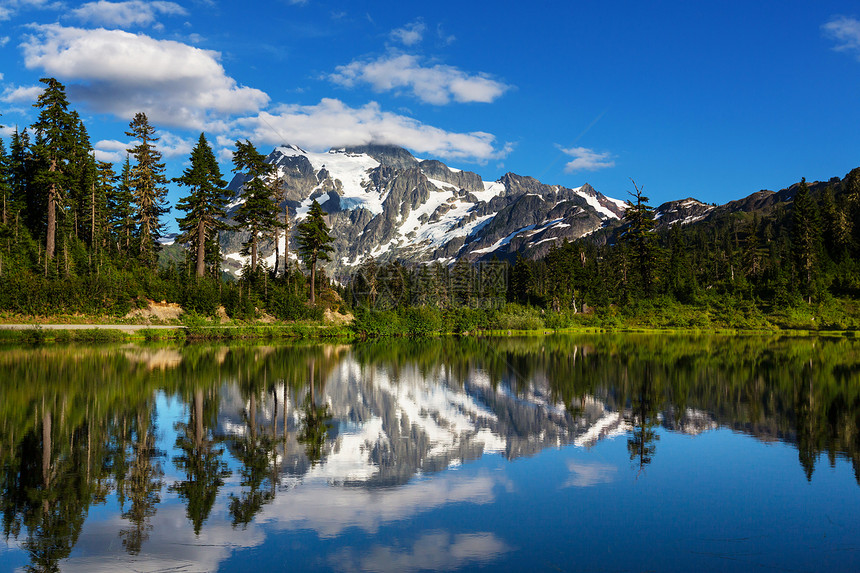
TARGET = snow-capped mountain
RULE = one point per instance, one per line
(383, 202)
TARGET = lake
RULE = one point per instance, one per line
(570, 453)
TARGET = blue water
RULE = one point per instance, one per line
(483, 484)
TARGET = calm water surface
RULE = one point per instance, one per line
(603, 453)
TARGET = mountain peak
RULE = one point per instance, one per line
(388, 155)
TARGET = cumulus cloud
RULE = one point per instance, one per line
(846, 33)
(172, 145)
(111, 150)
(585, 474)
(3, 40)
(331, 123)
(436, 551)
(585, 159)
(125, 14)
(21, 94)
(410, 34)
(437, 84)
(5, 13)
(121, 73)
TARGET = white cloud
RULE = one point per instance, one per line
(124, 14)
(122, 73)
(171, 145)
(438, 84)
(845, 32)
(4, 40)
(21, 94)
(11, 6)
(331, 123)
(584, 474)
(435, 551)
(410, 34)
(585, 159)
(111, 150)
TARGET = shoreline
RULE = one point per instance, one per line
(63, 333)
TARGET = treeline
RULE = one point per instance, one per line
(793, 265)
(78, 235)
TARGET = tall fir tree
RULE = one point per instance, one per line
(806, 239)
(205, 205)
(102, 188)
(314, 242)
(120, 209)
(53, 141)
(639, 235)
(20, 173)
(258, 212)
(147, 182)
(5, 185)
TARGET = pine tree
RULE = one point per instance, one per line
(20, 174)
(121, 210)
(639, 236)
(258, 212)
(53, 130)
(147, 183)
(204, 206)
(314, 242)
(83, 174)
(5, 185)
(102, 188)
(806, 238)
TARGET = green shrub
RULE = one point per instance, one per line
(422, 320)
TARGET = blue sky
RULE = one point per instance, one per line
(709, 100)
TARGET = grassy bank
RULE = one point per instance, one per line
(38, 335)
(840, 318)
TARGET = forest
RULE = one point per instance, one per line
(83, 236)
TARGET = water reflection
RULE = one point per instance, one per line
(334, 437)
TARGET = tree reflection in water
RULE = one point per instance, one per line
(78, 426)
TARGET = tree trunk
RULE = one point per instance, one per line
(93, 215)
(286, 238)
(201, 249)
(254, 251)
(277, 251)
(50, 242)
(313, 279)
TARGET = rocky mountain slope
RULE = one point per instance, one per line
(384, 203)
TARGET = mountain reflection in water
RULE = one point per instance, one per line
(181, 457)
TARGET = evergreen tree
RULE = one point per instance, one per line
(20, 174)
(204, 206)
(5, 185)
(314, 242)
(639, 235)
(258, 213)
(805, 238)
(522, 280)
(121, 210)
(83, 175)
(53, 130)
(147, 183)
(102, 188)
